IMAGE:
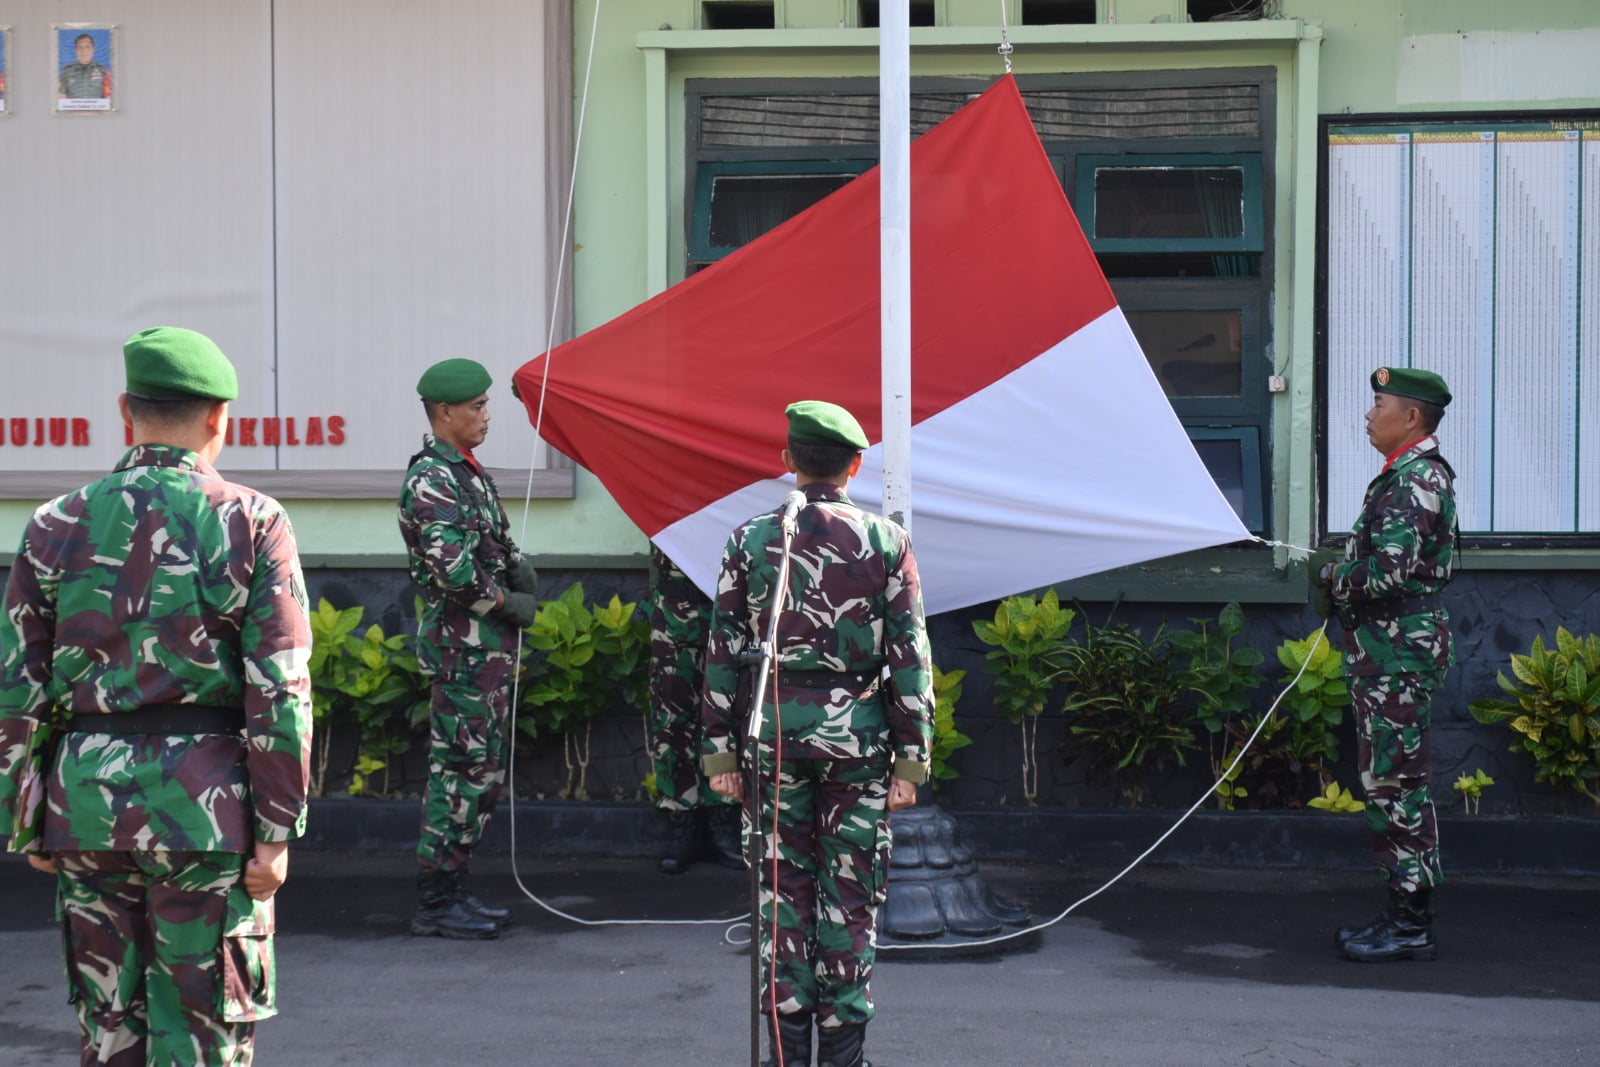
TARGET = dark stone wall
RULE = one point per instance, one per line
(615, 742)
(1494, 613)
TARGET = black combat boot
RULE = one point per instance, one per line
(724, 836)
(792, 1038)
(1391, 910)
(440, 913)
(498, 916)
(1407, 934)
(683, 843)
(840, 1046)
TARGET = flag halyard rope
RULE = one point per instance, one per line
(731, 924)
(522, 537)
(1005, 39)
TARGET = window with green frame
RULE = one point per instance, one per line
(736, 201)
(1181, 238)
(1164, 168)
(1180, 203)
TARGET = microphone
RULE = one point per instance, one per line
(791, 505)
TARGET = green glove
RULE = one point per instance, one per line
(522, 577)
(520, 608)
(1320, 563)
(1323, 558)
(1322, 599)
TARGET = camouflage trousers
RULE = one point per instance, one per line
(1393, 713)
(832, 874)
(169, 961)
(674, 726)
(470, 703)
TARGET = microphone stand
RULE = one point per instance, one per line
(765, 657)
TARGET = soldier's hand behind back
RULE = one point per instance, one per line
(520, 608)
(267, 869)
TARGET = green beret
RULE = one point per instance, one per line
(453, 380)
(165, 361)
(1417, 384)
(817, 422)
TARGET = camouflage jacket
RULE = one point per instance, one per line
(460, 546)
(1402, 547)
(82, 81)
(854, 606)
(160, 583)
(680, 614)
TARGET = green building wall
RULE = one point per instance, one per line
(1330, 57)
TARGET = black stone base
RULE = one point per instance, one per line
(936, 896)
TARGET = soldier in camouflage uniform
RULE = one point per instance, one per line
(83, 79)
(680, 619)
(1386, 591)
(845, 739)
(155, 621)
(478, 596)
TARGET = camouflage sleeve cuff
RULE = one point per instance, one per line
(269, 833)
(485, 605)
(719, 763)
(276, 837)
(913, 771)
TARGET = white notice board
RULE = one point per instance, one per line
(1471, 250)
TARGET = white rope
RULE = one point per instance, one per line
(743, 921)
(1026, 931)
(1005, 38)
(527, 503)
(1296, 549)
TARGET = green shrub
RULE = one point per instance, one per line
(585, 662)
(946, 738)
(369, 682)
(1292, 753)
(1335, 798)
(1023, 634)
(1554, 712)
(579, 662)
(1126, 704)
(1315, 706)
(1223, 678)
(1471, 787)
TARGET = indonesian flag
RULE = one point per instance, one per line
(1043, 448)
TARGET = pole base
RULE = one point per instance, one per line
(937, 895)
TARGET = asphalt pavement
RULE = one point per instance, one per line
(1171, 966)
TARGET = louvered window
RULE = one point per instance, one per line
(1165, 170)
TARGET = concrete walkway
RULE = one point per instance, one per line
(1173, 966)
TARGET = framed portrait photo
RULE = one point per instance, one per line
(85, 64)
(5, 69)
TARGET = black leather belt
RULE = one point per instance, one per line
(826, 679)
(159, 719)
(1368, 611)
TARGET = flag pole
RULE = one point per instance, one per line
(894, 148)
